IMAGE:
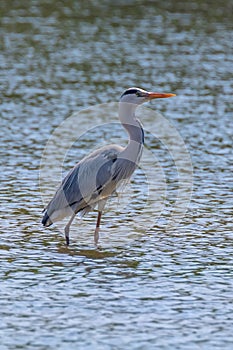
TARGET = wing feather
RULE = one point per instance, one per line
(85, 184)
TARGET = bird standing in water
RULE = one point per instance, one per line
(97, 176)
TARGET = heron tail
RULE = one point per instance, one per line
(46, 220)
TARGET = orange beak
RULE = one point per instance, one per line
(152, 95)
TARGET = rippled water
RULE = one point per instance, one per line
(156, 288)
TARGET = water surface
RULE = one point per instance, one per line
(143, 288)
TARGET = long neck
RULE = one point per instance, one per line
(133, 150)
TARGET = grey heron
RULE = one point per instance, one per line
(97, 176)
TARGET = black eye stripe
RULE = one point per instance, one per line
(131, 91)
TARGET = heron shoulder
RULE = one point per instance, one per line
(98, 164)
(106, 152)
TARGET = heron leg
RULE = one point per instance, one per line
(96, 234)
(67, 229)
(101, 205)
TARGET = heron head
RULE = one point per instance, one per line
(139, 96)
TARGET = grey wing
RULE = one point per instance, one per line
(85, 184)
(123, 169)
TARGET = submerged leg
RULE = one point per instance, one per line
(67, 229)
(96, 235)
